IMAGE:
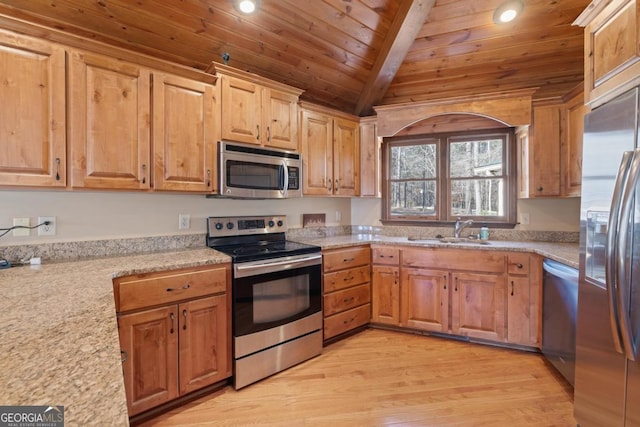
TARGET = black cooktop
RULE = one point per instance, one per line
(265, 249)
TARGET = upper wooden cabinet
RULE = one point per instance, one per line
(550, 149)
(185, 132)
(369, 158)
(611, 49)
(32, 112)
(257, 114)
(574, 112)
(330, 146)
(109, 123)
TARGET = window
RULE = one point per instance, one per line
(439, 178)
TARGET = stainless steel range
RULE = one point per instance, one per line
(277, 295)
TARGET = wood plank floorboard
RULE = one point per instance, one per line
(387, 378)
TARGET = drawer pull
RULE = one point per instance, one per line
(349, 321)
(348, 300)
(512, 286)
(348, 260)
(184, 313)
(187, 286)
(346, 279)
(172, 317)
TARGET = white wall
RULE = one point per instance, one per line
(95, 215)
(544, 214)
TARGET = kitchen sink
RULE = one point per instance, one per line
(452, 240)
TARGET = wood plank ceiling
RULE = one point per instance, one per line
(345, 54)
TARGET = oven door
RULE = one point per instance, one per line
(274, 292)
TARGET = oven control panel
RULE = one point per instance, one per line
(242, 225)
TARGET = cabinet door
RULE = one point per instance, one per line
(241, 113)
(385, 304)
(545, 146)
(205, 354)
(109, 123)
(150, 342)
(184, 134)
(477, 305)
(317, 153)
(572, 147)
(369, 159)
(424, 299)
(518, 310)
(280, 120)
(32, 112)
(346, 157)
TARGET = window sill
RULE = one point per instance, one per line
(425, 223)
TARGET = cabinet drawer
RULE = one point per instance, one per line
(347, 320)
(346, 299)
(385, 255)
(518, 263)
(455, 259)
(346, 278)
(346, 258)
(147, 290)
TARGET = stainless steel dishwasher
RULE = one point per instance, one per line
(559, 314)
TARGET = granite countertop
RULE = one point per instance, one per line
(566, 253)
(59, 333)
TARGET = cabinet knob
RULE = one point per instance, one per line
(540, 188)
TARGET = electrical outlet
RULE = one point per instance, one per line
(184, 221)
(24, 222)
(47, 230)
(338, 215)
(524, 218)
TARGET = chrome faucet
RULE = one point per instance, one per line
(461, 225)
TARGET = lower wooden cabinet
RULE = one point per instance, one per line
(346, 289)
(489, 295)
(181, 344)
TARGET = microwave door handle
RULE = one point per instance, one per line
(622, 262)
(610, 249)
(285, 170)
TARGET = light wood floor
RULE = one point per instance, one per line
(384, 378)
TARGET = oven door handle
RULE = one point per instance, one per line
(252, 269)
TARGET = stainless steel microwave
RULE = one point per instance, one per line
(253, 172)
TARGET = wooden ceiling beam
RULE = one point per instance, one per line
(405, 27)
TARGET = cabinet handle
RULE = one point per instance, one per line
(57, 168)
(456, 285)
(144, 173)
(348, 300)
(349, 321)
(512, 286)
(268, 134)
(445, 281)
(329, 187)
(348, 260)
(208, 177)
(395, 277)
(346, 279)
(184, 313)
(187, 286)
(172, 317)
(519, 265)
(258, 132)
(123, 356)
(336, 185)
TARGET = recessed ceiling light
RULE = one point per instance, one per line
(247, 6)
(508, 11)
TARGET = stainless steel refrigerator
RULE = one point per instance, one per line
(607, 383)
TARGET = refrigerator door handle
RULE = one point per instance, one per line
(610, 249)
(622, 267)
